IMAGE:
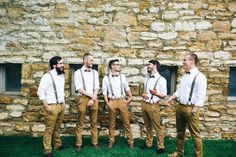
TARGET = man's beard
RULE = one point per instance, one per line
(59, 71)
(149, 71)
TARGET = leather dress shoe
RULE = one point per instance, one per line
(48, 155)
(78, 148)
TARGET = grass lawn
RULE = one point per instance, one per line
(23, 146)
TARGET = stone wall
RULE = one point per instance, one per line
(133, 31)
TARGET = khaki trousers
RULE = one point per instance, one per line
(151, 116)
(121, 106)
(53, 122)
(82, 107)
(184, 118)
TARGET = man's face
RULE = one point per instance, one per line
(150, 67)
(89, 61)
(116, 66)
(60, 67)
(188, 62)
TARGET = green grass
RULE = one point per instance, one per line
(24, 146)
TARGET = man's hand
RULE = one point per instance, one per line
(90, 102)
(94, 97)
(48, 108)
(145, 97)
(129, 100)
(194, 110)
(153, 92)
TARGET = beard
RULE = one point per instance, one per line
(149, 71)
(60, 71)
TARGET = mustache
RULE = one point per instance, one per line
(60, 71)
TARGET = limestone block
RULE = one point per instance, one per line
(122, 19)
(232, 6)
(154, 10)
(4, 115)
(148, 36)
(15, 107)
(168, 35)
(61, 10)
(233, 23)
(20, 101)
(184, 26)
(230, 118)
(222, 55)
(15, 12)
(213, 45)
(207, 35)
(22, 127)
(227, 36)
(130, 71)
(170, 15)
(221, 26)
(135, 61)
(147, 53)
(5, 100)
(113, 36)
(212, 114)
(203, 25)
(38, 127)
(16, 114)
(158, 26)
(135, 79)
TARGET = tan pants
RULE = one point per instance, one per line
(82, 106)
(121, 106)
(53, 122)
(151, 116)
(184, 118)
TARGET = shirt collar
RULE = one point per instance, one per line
(194, 70)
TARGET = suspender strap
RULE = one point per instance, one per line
(192, 86)
(155, 86)
(112, 91)
(82, 76)
(121, 86)
(83, 82)
(54, 86)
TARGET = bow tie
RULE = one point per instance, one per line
(152, 76)
(114, 75)
(187, 72)
(87, 70)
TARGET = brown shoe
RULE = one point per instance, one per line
(131, 145)
(96, 146)
(78, 148)
(110, 145)
(175, 154)
(48, 155)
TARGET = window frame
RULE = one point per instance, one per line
(173, 77)
(3, 80)
(230, 98)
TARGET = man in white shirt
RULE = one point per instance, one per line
(155, 88)
(51, 92)
(191, 95)
(115, 86)
(87, 84)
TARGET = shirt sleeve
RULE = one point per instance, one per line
(125, 83)
(96, 80)
(78, 81)
(201, 83)
(43, 86)
(104, 86)
(162, 86)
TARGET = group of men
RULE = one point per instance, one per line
(117, 95)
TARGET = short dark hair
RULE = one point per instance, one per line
(54, 61)
(86, 55)
(155, 62)
(194, 57)
(111, 62)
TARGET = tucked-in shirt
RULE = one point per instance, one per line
(116, 86)
(46, 89)
(199, 89)
(161, 87)
(88, 80)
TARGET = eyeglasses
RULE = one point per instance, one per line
(117, 64)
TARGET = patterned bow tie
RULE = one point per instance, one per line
(187, 72)
(152, 76)
(87, 70)
(114, 75)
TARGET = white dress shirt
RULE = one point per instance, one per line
(161, 87)
(46, 89)
(199, 90)
(88, 79)
(116, 86)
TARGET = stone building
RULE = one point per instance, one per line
(134, 31)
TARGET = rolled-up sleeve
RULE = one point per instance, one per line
(201, 90)
(78, 81)
(104, 86)
(43, 86)
(125, 83)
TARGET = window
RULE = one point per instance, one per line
(73, 68)
(169, 73)
(10, 78)
(232, 84)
